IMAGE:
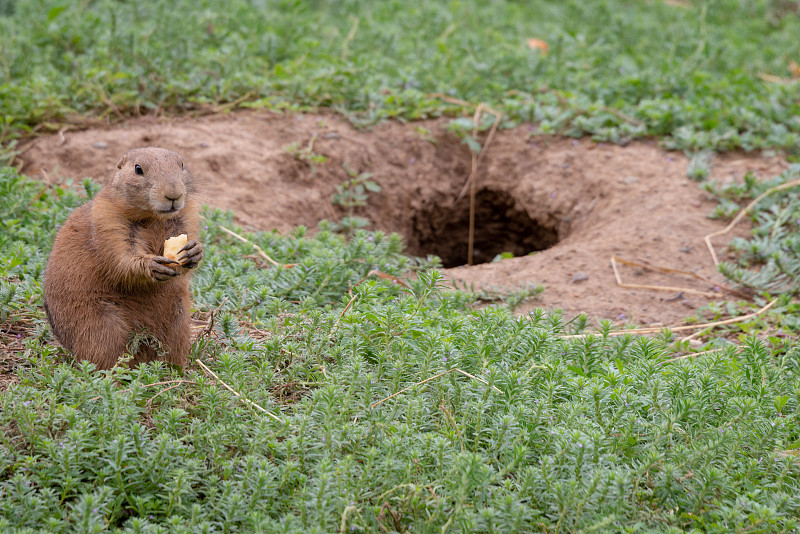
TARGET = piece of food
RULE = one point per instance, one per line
(173, 245)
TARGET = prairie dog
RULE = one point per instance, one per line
(107, 280)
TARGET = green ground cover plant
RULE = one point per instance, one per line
(520, 426)
(713, 74)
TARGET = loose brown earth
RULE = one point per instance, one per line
(576, 201)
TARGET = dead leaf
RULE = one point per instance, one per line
(538, 44)
(385, 276)
(794, 69)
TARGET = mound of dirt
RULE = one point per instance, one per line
(562, 207)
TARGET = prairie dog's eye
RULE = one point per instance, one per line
(181, 165)
(138, 169)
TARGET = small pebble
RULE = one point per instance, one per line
(580, 276)
(100, 144)
(630, 180)
(685, 250)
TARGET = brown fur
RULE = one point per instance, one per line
(106, 279)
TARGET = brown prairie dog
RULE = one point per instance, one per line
(107, 278)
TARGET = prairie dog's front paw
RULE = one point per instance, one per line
(159, 270)
(191, 254)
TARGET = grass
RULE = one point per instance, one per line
(529, 431)
(616, 69)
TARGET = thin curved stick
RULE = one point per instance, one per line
(692, 355)
(703, 326)
(238, 395)
(671, 289)
(259, 249)
(456, 370)
(670, 270)
(741, 215)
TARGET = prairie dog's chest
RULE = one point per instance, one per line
(152, 234)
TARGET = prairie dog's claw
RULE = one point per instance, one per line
(193, 253)
(159, 271)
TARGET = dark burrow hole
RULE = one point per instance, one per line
(500, 226)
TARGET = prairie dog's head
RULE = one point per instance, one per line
(153, 180)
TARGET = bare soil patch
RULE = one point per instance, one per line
(572, 203)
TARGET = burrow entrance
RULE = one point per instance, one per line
(500, 226)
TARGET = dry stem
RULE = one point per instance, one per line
(210, 325)
(336, 326)
(432, 378)
(176, 382)
(741, 215)
(451, 100)
(472, 180)
(452, 421)
(165, 382)
(210, 373)
(670, 270)
(149, 403)
(219, 108)
(111, 104)
(657, 288)
(381, 274)
(680, 328)
(471, 183)
(259, 249)
(691, 355)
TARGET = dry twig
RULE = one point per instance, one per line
(742, 213)
(336, 326)
(455, 369)
(643, 331)
(471, 183)
(771, 78)
(111, 104)
(452, 422)
(210, 324)
(259, 249)
(620, 283)
(219, 108)
(211, 374)
(149, 404)
(451, 100)
(691, 355)
(165, 382)
(472, 180)
(384, 276)
(39, 195)
(670, 270)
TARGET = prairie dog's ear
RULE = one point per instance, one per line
(122, 161)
